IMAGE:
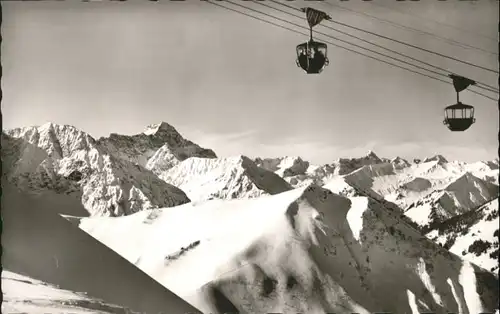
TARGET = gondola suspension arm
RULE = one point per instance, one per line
(461, 83)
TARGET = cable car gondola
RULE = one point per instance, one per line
(312, 55)
(459, 117)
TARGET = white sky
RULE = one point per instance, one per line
(230, 83)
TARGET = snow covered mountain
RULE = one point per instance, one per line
(105, 178)
(122, 174)
(454, 200)
(284, 166)
(406, 185)
(223, 178)
(430, 189)
(158, 148)
(306, 250)
(22, 294)
(473, 235)
(255, 236)
(461, 195)
(301, 173)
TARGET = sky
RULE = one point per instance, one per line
(230, 83)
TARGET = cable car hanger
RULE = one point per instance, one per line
(312, 55)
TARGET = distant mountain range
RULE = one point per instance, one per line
(279, 234)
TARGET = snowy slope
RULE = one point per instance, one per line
(473, 235)
(434, 186)
(402, 185)
(39, 243)
(486, 170)
(409, 184)
(225, 178)
(306, 250)
(461, 195)
(64, 159)
(22, 294)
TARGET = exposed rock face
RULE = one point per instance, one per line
(158, 148)
(66, 160)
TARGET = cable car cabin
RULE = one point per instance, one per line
(312, 57)
(459, 117)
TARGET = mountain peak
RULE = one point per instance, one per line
(439, 158)
(400, 161)
(155, 128)
(371, 155)
(493, 164)
(47, 125)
